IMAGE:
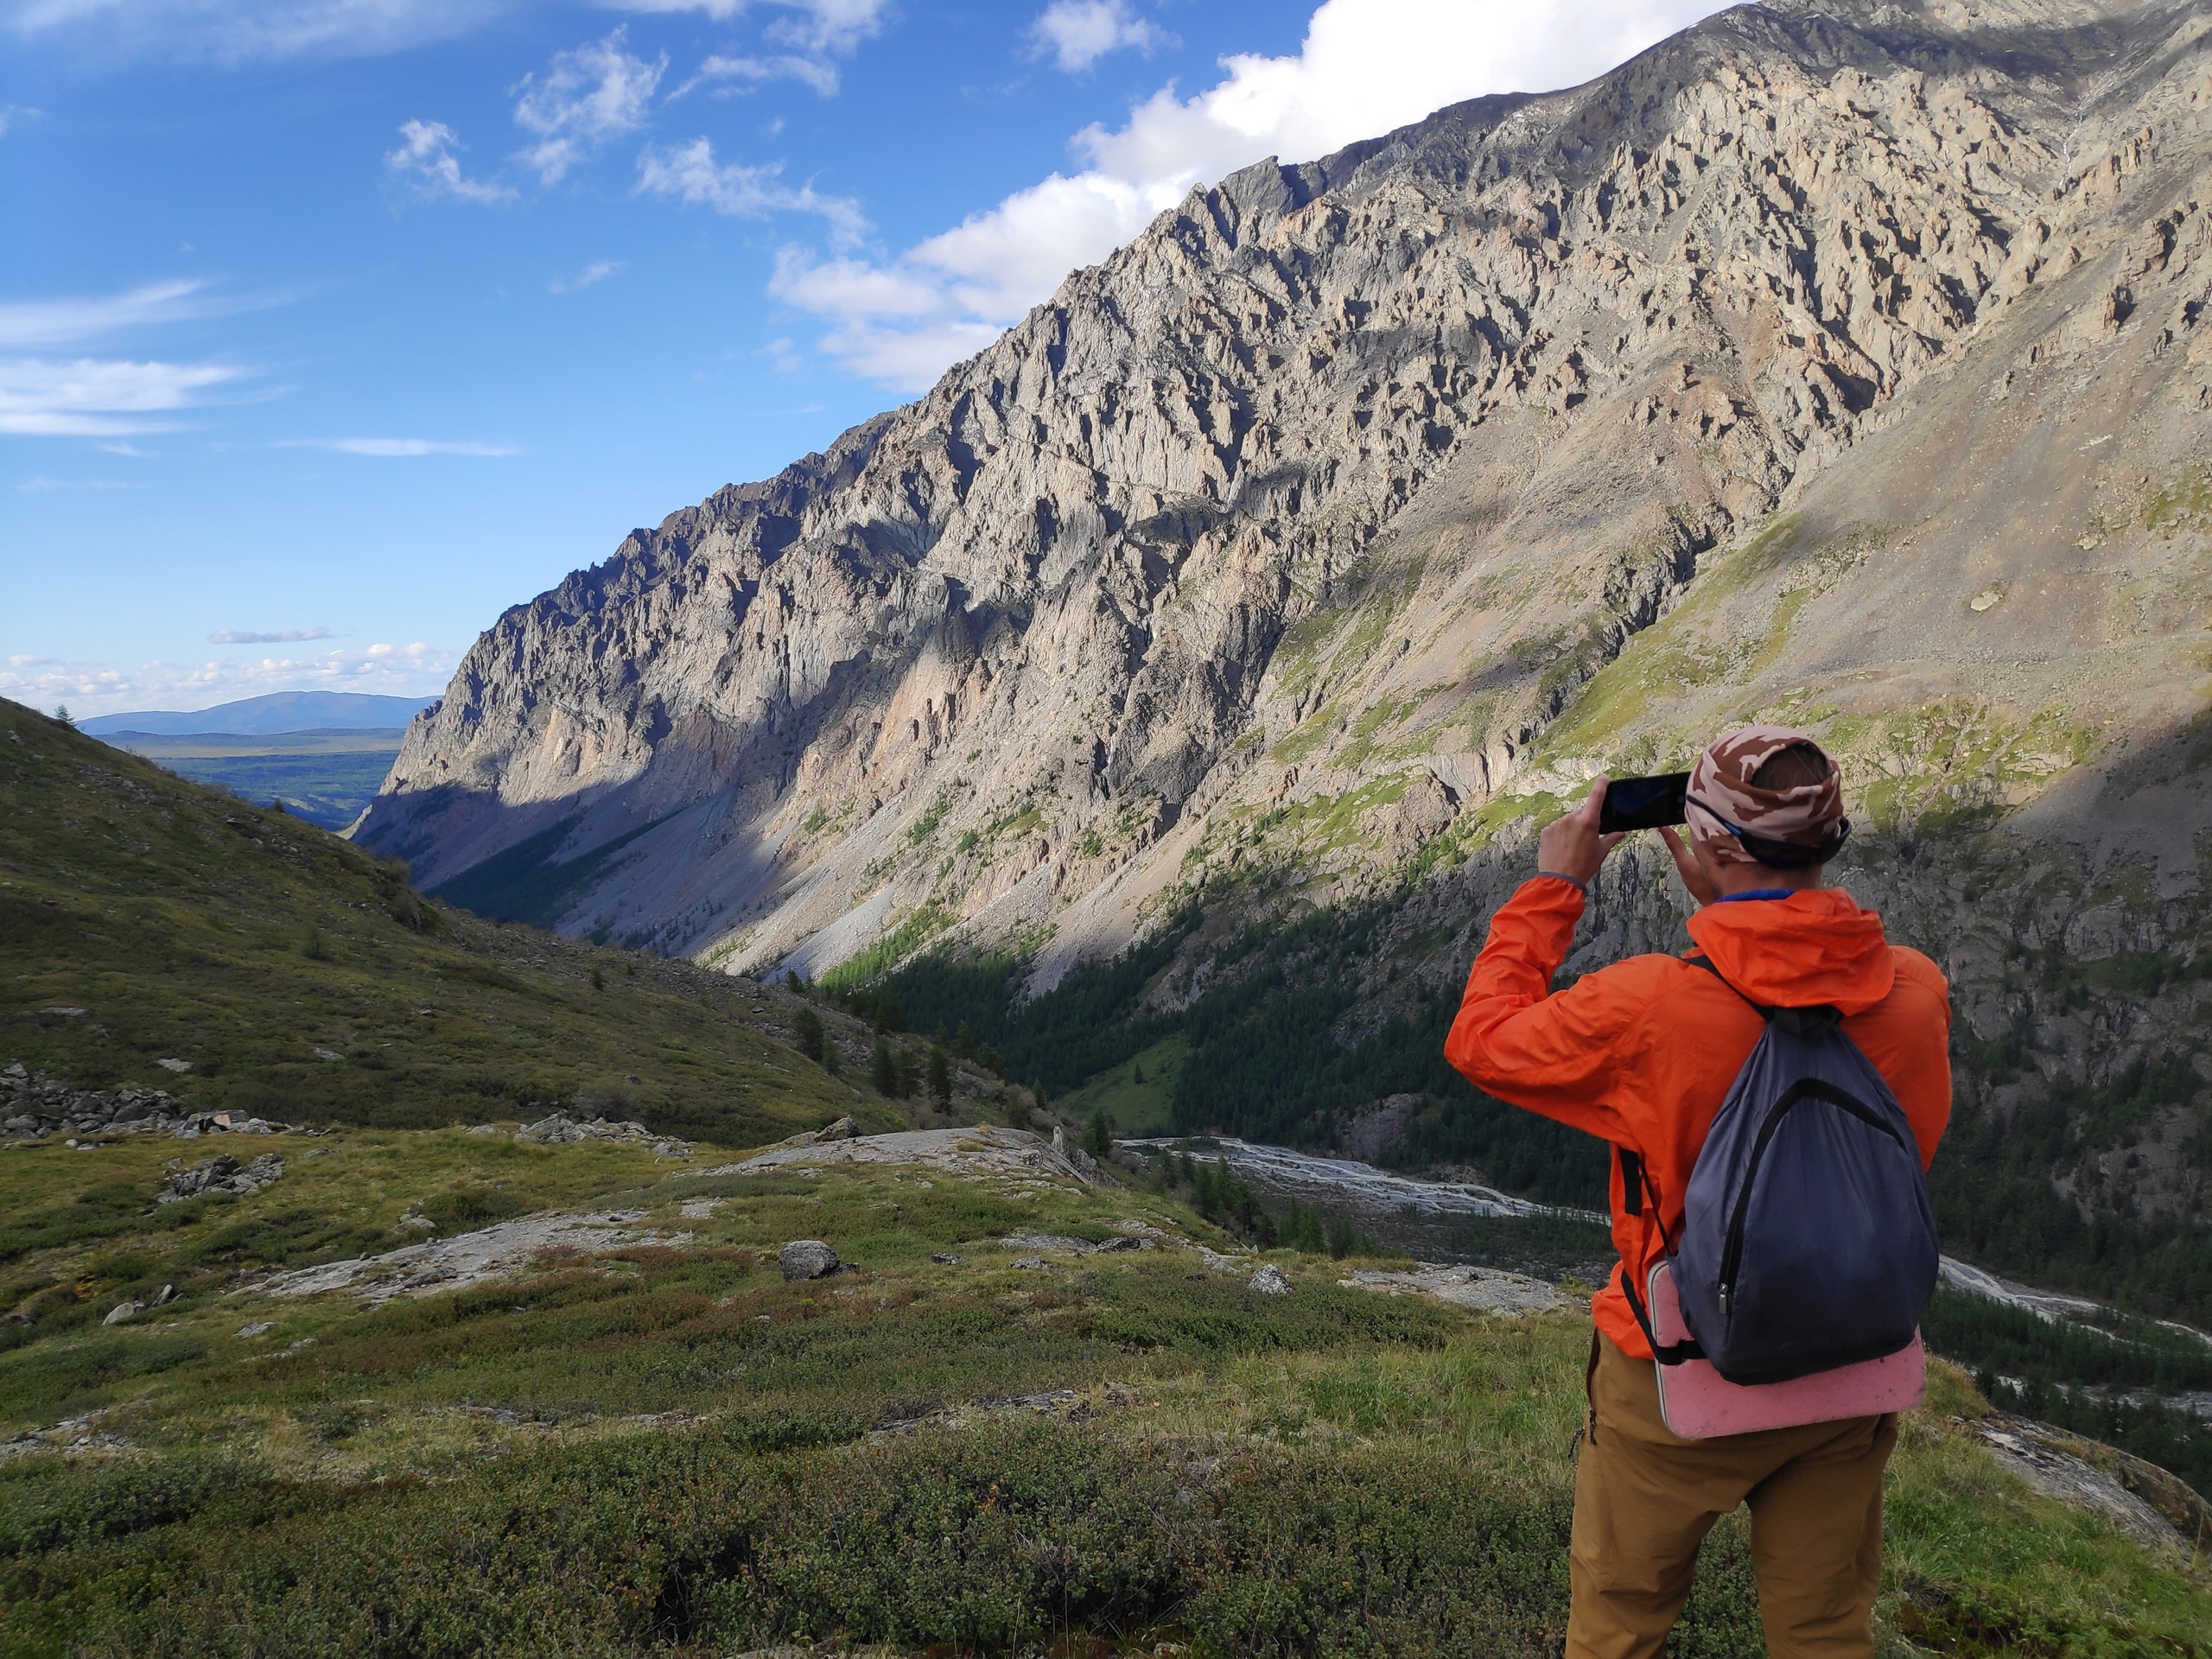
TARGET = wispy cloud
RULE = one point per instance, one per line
(390, 448)
(231, 30)
(690, 174)
(282, 636)
(1078, 33)
(92, 398)
(811, 25)
(91, 688)
(813, 34)
(598, 272)
(47, 485)
(731, 75)
(426, 159)
(14, 115)
(591, 93)
(61, 322)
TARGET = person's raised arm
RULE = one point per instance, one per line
(1513, 1038)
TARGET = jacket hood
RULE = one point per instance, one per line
(1814, 948)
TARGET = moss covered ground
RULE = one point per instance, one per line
(659, 1446)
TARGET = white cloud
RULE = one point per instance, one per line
(12, 113)
(731, 75)
(236, 30)
(689, 175)
(92, 398)
(390, 448)
(97, 687)
(811, 25)
(1077, 33)
(829, 25)
(593, 92)
(61, 322)
(598, 272)
(47, 485)
(1365, 67)
(247, 637)
(426, 156)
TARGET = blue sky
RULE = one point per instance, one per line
(329, 328)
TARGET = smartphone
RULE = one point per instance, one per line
(1645, 803)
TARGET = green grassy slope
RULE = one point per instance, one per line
(190, 926)
(661, 1446)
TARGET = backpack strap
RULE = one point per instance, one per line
(1667, 1353)
(1811, 1023)
(1636, 1184)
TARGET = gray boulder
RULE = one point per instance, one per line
(807, 1258)
(1269, 1281)
(222, 1173)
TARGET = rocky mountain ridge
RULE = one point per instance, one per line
(1842, 364)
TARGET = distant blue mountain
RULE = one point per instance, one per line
(280, 711)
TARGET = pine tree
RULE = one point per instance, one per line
(940, 1078)
(806, 1034)
(832, 1062)
(1098, 1134)
(886, 1068)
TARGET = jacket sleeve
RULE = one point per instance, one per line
(1922, 1085)
(1513, 1039)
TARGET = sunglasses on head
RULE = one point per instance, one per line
(1778, 855)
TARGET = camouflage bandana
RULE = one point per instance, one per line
(1721, 794)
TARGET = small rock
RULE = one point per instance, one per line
(259, 1328)
(123, 1311)
(945, 1258)
(1032, 1262)
(162, 1300)
(807, 1258)
(63, 1012)
(174, 1066)
(325, 1054)
(1269, 1281)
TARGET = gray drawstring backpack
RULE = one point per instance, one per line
(1807, 1241)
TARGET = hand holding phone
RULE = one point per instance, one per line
(1644, 803)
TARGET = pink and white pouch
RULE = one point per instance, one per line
(1698, 1403)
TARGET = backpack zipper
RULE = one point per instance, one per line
(1732, 1255)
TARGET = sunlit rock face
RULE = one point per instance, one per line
(1848, 366)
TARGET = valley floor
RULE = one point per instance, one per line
(988, 1434)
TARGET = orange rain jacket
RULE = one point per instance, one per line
(1640, 1054)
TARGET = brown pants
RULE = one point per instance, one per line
(1644, 1499)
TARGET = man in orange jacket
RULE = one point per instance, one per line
(1641, 1055)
